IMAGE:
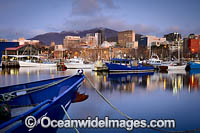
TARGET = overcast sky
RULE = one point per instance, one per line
(27, 18)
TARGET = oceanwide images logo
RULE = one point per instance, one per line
(46, 122)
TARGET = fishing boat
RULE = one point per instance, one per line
(77, 63)
(29, 63)
(127, 65)
(193, 65)
(38, 99)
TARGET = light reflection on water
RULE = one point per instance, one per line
(173, 95)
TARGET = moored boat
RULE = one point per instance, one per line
(28, 63)
(77, 63)
(170, 66)
(126, 65)
(193, 65)
(176, 67)
(100, 66)
(155, 61)
(43, 98)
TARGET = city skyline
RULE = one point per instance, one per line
(153, 17)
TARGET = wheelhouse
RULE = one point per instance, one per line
(122, 61)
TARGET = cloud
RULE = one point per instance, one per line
(13, 33)
(174, 29)
(109, 4)
(85, 7)
(82, 23)
(145, 29)
(91, 7)
(88, 14)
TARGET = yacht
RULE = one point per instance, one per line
(77, 63)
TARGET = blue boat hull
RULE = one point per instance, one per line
(60, 94)
(124, 68)
(192, 65)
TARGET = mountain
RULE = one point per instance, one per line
(47, 38)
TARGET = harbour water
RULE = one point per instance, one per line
(172, 95)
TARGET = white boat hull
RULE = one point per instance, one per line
(31, 64)
(182, 67)
(78, 66)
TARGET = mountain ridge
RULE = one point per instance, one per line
(57, 37)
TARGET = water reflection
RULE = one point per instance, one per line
(11, 76)
(143, 96)
(10, 71)
(171, 81)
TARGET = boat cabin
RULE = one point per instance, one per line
(126, 62)
(154, 60)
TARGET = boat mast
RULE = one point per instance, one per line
(178, 51)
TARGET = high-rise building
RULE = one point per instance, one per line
(149, 41)
(185, 44)
(102, 35)
(126, 37)
(98, 39)
(191, 44)
(71, 42)
(194, 45)
(173, 37)
(91, 40)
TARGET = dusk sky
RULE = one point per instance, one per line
(27, 18)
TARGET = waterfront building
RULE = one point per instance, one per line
(107, 44)
(26, 49)
(71, 42)
(23, 41)
(52, 44)
(133, 44)
(126, 37)
(98, 39)
(191, 44)
(185, 44)
(102, 32)
(59, 51)
(175, 36)
(149, 41)
(4, 45)
(21, 52)
(194, 45)
(3, 40)
(91, 40)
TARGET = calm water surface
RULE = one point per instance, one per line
(173, 95)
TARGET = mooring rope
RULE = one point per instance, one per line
(130, 118)
(69, 117)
